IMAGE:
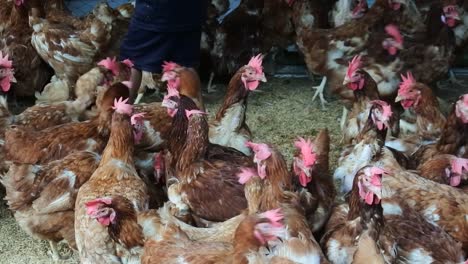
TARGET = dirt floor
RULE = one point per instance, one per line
(278, 113)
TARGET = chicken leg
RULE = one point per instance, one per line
(138, 99)
(343, 118)
(447, 84)
(453, 79)
(54, 252)
(211, 87)
(319, 92)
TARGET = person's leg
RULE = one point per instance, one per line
(156, 49)
(186, 48)
(135, 79)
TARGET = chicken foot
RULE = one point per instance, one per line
(139, 97)
(54, 252)
(453, 79)
(447, 84)
(319, 92)
(211, 88)
(343, 118)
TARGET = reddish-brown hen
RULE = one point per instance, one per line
(186, 80)
(277, 192)
(91, 85)
(445, 169)
(325, 49)
(42, 197)
(103, 235)
(403, 233)
(31, 72)
(453, 139)
(420, 98)
(430, 121)
(364, 90)
(370, 140)
(207, 181)
(40, 147)
(229, 127)
(253, 232)
(440, 204)
(313, 180)
(70, 50)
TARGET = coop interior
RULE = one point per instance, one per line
(344, 113)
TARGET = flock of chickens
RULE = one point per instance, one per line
(160, 183)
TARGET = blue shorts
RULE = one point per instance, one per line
(149, 49)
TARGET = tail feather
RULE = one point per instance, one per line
(297, 250)
(56, 91)
(322, 142)
(322, 148)
(157, 225)
(19, 183)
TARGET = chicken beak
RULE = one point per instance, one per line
(398, 98)
(263, 78)
(346, 81)
(165, 77)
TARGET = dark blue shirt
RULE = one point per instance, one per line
(170, 15)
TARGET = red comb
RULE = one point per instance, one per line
(169, 66)
(407, 82)
(110, 64)
(121, 106)
(465, 99)
(459, 164)
(246, 174)
(262, 151)
(353, 66)
(137, 118)
(91, 205)
(128, 62)
(275, 216)
(386, 108)
(377, 170)
(308, 155)
(105, 200)
(256, 63)
(4, 61)
(393, 31)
